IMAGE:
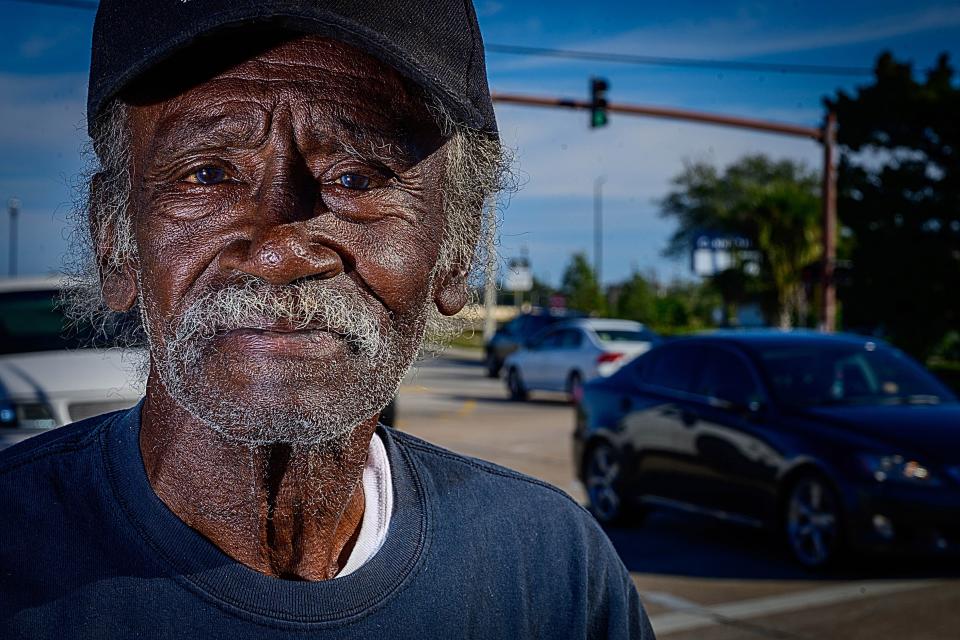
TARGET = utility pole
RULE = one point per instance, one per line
(13, 206)
(825, 135)
(828, 313)
(598, 227)
(490, 275)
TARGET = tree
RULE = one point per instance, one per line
(773, 204)
(637, 300)
(677, 307)
(580, 286)
(540, 293)
(899, 196)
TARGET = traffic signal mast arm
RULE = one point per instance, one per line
(664, 112)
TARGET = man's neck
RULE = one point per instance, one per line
(286, 511)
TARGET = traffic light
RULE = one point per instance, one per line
(598, 102)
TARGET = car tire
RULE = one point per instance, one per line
(515, 386)
(575, 388)
(492, 365)
(603, 481)
(813, 522)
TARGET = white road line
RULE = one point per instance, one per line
(692, 616)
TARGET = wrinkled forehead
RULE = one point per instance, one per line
(235, 90)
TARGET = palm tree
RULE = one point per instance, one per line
(773, 204)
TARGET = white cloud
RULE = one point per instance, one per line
(489, 8)
(561, 156)
(747, 36)
(36, 45)
(42, 110)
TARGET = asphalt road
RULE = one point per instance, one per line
(698, 578)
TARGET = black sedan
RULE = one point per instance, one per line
(836, 441)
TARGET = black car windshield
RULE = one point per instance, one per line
(31, 321)
(827, 374)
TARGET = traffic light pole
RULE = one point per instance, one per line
(825, 135)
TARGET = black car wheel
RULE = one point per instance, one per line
(812, 522)
(492, 365)
(575, 388)
(515, 385)
(603, 476)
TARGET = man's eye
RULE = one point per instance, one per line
(354, 181)
(208, 175)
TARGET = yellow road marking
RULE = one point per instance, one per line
(467, 408)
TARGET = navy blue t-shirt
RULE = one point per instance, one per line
(87, 550)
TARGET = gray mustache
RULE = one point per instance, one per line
(257, 304)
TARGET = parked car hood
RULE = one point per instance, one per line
(933, 430)
(55, 373)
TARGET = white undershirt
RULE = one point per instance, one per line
(378, 507)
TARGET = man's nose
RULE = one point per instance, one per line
(282, 254)
(284, 248)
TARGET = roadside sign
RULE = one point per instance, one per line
(518, 276)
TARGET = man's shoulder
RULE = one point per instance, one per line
(466, 478)
(67, 441)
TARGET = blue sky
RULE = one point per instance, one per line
(44, 56)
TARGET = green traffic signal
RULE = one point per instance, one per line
(598, 102)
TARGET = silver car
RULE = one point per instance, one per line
(568, 354)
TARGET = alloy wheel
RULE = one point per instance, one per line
(602, 480)
(812, 522)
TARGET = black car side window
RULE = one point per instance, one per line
(725, 376)
(672, 367)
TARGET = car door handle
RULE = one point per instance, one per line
(626, 404)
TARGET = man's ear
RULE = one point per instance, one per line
(119, 288)
(450, 292)
(118, 282)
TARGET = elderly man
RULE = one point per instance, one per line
(287, 194)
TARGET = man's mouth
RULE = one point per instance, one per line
(304, 322)
(286, 339)
(284, 326)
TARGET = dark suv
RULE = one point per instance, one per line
(516, 333)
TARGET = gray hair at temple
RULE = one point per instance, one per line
(478, 168)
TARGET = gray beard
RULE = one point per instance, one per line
(318, 403)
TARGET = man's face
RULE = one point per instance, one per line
(287, 216)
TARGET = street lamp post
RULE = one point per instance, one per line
(598, 226)
(13, 206)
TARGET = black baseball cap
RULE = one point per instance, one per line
(434, 43)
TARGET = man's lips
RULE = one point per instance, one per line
(286, 339)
